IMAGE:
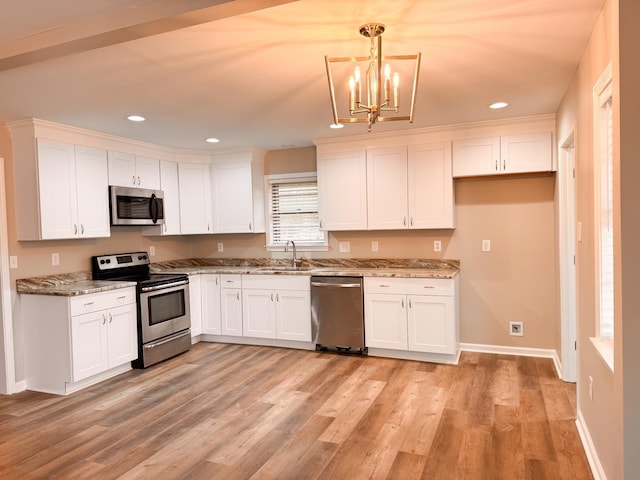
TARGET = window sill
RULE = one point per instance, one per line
(605, 348)
(299, 248)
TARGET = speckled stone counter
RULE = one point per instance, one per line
(67, 285)
(404, 268)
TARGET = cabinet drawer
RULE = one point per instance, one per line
(230, 281)
(277, 282)
(410, 286)
(101, 301)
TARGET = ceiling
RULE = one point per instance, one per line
(252, 73)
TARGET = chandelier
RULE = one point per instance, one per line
(372, 92)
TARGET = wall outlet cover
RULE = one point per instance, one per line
(345, 247)
(516, 329)
(437, 246)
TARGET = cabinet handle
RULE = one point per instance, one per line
(104, 318)
(110, 318)
(411, 221)
(238, 295)
(404, 221)
(403, 303)
(410, 305)
(249, 226)
(138, 180)
(496, 165)
(121, 297)
(75, 229)
(216, 280)
(88, 304)
(277, 297)
(504, 164)
(272, 296)
(208, 229)
(383, 286)
(82, 229)
(133, 180)
(429, 286)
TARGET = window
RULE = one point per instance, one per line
(293, 212)
(603, 188)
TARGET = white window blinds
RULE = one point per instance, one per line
(293, 207)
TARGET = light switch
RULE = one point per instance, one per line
(374, 246)
(152, 251)
(55, 259)
(486, 245)
(220, 247)
(13, 261)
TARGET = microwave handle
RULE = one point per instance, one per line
(153, 208)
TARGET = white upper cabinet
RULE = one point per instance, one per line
(63, 190)
(410, 187)
(501, 155)
(195, 198)
(129, 170)
(342, 190)
(237, 192)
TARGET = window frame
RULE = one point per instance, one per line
(288, 178)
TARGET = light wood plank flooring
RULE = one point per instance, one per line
(239, 412)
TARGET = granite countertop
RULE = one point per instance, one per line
(67, 285)
(80, 283)
(402, 268)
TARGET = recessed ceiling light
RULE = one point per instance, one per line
(136, 118)
(336, 125)
(212, 140)
(498, 105)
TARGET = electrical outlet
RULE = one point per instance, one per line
(345, 247)
(374, 246)
(590, 388)
(220, 247)
(486, 245)
(13, 261)
(55, 259)
(516, 329)
(437, 246)
(152, 251)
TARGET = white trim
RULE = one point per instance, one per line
(567, 241)
(8, 377)
(522, 351)
(589, 448)
(604, 347)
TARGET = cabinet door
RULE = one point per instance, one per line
(293, 315)
(387, 188)
(169, 185)
(431, 324)
(232, 197)
(526, 153)
(477, 156)
(195, 304)
(258, 313)
(122, 169)
(57, 187)
(342, 190)
(210, 304)
(231, 312)
(148, 173)
(92, 189)
(89, 344)
(195, 198)
(430, 186)
(122, 335)
(386, 321)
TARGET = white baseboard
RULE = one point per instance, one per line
(523, 351)
(20, 386)
(589, 449)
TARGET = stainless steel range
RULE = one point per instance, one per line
(164, 318)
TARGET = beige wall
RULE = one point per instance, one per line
(603, 415)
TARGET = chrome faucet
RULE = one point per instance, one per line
(294, 260)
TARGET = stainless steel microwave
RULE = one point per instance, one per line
(136, 206)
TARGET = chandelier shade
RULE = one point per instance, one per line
(372, 89)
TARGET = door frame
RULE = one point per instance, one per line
(567, 244)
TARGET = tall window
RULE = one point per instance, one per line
(293, 212)
(603, 134)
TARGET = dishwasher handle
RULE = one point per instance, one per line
(336, 285)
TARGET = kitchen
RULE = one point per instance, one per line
(480, 205)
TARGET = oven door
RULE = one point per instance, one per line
(164, 310)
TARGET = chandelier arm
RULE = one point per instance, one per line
(415, 86)
(331, 91)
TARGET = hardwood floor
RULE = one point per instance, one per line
(239, 412)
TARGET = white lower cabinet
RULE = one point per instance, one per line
(416, 315)
(195, 305)
(277, 306)
(72, 342)
(210, 289)
(231, 305)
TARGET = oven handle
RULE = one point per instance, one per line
(167, 340)
(153, 288)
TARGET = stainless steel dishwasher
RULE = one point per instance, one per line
(337, 313)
